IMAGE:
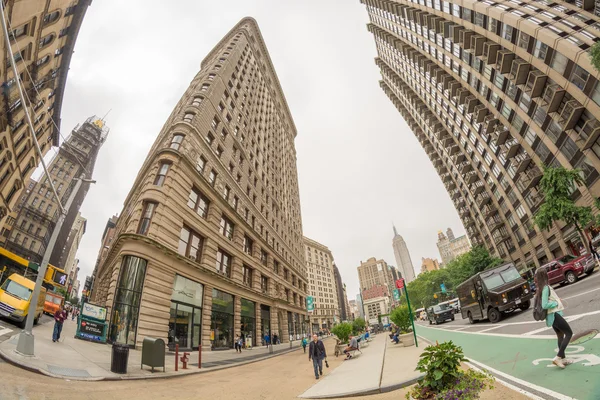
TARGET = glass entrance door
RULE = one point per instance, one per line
(184, 326)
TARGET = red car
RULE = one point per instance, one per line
(567, 269)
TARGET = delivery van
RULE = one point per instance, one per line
(15, 296)
(53, 303)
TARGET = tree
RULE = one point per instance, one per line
(342, 331)
(358, 325)
(401, 317)
(557, 185)
(595, 56)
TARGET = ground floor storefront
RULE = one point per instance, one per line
(153, 297)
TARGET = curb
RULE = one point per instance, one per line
(41, 371)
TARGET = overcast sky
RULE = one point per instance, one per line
(360, 167)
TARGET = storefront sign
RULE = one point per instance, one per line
(91, 330)
(310, 304)
(92, 311)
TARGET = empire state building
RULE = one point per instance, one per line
(403, 257)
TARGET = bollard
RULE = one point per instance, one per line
(176, 357)
(185, 359)
(200, 355)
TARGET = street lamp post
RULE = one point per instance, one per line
(26, 341)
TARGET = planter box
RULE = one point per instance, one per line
(408, 339)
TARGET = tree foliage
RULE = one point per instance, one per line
(401, 317)
(595, 56)
(557, 185)
(421, 291)
(342, 331)
(358, 325)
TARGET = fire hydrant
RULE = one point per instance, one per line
(184, 360)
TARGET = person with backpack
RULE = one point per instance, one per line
(304, 343)
(549, 307)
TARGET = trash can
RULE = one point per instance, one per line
(119, 358)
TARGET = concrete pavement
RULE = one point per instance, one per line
(81, 360)
(381, 367)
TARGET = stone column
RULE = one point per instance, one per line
(274, 319)
(257, 325)
(206, 316)
(237, 316)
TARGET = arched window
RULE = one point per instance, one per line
(197, 101)
(176, 141)
(188, 117)
(46, 40)
(43, 60)
(146, 218)
(163, 168)
(51, 17)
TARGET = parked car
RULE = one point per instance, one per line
(440, 313)
(568, 269)
(490, 293)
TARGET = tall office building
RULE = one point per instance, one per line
(322, 285)
(37, 212)
(339, 287)
(42, 38)
(107, 239)
(429, 264)
(73, 240)
(209, 242)
(493, 91)
(376, 281)
(450, 246)
(405, 266)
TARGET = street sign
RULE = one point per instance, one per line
(443, 288)
(310, 304)
(396, 293)
(400, 283)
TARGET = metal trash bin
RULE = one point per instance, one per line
(119, 358)
(153, 353)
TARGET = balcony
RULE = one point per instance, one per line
(570, 114)
(464, 212)
(490, 123)
(534, 200)
(590, 133)
(437, 162)
(504, 61)
(529, 178)
(519, 71)
(453, 149)
(483, 199)
(494, 223)
(465, 168)
(468, 222)
(471, 103)
(455, 194)
(553, 97)
(477, 188)
(535, 83)
(460, 158)
(521, 162)
(447, 178)
(510, 148)
(490, 52)
(471, 177)
(501, 236)
(489, 210)
(447, 142)
(500, 135)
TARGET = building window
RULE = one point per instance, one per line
(226, 192)
(540, 50)
(198, 202)
(579, 77)
(51, 17)
(162, 173)
(197, 101)
(248, 245)
(247, 275)
(263, 257)
(559, 62)
(223, 262)
(201, 164)
(264, 284)
(212, 177)
(188, 117)
(226, 227)
(190, 244)
(176, 141)
(146, 218)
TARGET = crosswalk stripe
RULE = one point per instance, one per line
(5, 331)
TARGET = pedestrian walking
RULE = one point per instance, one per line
(73, 315)
(275, 338)
(59, 317)
(238, 344)
(316, 353)
(267, 339)
(593, 250)
(304, 343)
(549, 300)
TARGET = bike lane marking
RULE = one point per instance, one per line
(527, 360)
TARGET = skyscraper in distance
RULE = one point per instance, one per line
(403, 261)
(493, 91)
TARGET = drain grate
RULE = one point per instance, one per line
(80, 373)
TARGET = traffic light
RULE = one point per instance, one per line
(55, 276)
(435, 295)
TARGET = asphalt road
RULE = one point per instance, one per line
(9, 329)
(582, 310)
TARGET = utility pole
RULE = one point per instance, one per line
(26, 341)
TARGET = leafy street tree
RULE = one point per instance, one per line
(595, 55)
(557, 185)
(358, 325)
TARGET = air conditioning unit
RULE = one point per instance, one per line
(490, 52)
(535, 83)
(553, 97)
(571, 114)
(519, 71)
(504, 61)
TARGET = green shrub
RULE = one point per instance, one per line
(342, 331)
(441, 364)
(467, 386)
(401, 317)
(358, 325)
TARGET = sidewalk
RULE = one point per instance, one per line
(77, 359)
(382, 367)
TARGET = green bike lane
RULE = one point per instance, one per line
(529, 360)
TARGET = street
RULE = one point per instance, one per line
(519, 349)
(9, 329)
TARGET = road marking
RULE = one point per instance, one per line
(5, 331)
(490, 329)
(575, 355)
(508, 385)
(535, 387)
(580, 294)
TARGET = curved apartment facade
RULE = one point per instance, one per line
(493, 91)
(209, 243)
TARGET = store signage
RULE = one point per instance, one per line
(310, 304)
(92, 328)
(92, 311)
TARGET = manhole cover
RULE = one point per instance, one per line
(81, 373)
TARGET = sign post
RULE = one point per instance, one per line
(400, 285)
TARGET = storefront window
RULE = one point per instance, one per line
(125, 313)
(248, 321)
(221, 320)
(186, 314)
(265, 322)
